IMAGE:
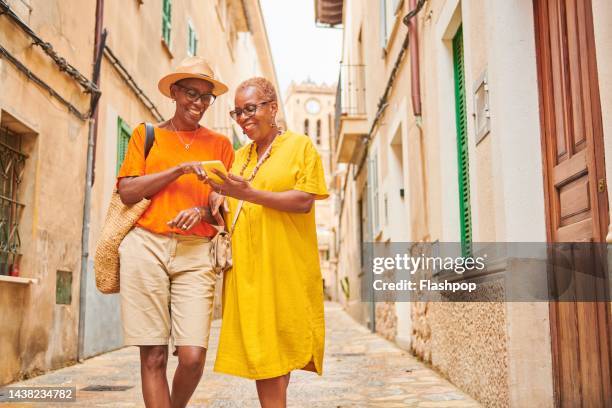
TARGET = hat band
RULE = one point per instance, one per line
(208, 77)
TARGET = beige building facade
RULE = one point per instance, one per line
(43, 128)
(52, 314)
(468, 113)
(310, 109)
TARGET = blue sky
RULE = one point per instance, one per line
(300, 49)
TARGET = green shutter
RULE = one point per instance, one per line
(463, 162)
(123, 137)
(346, 287)
(192, 41)
(236, 143)
(166, 20)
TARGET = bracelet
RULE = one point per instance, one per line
(199, 212)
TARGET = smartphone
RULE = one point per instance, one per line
(214, 164)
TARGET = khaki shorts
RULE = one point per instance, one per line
(167, 289)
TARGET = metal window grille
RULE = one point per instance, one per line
(12, 165)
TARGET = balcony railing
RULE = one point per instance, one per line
(352, 90)
(351, 121)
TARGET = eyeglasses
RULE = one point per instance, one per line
(248, 111)
(193, 95)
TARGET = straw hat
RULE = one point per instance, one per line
(191, 67)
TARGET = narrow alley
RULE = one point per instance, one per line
(361, 369)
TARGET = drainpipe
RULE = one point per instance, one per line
(100, 39)
(415, 83)
(415, 90)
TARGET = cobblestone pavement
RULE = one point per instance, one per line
(360, 370)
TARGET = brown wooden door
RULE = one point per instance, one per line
(576, 200)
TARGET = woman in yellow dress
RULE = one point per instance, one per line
(273, 296)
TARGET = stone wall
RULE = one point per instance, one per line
(386, 320)
(466, 342)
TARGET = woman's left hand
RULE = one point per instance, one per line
(233, 186)
(187, 219)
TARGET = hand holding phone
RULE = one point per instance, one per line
(214, 164)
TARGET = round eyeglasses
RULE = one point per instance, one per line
(248, 110)
(192, 95)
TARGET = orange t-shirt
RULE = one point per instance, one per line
(184, 192)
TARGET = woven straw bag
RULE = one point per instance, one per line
(120, 219)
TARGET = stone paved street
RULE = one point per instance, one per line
(360, 370)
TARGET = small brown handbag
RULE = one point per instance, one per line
(221, 246)
(120, 219)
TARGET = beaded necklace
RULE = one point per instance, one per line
(260, 162)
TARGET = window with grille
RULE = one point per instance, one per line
(123, 137)
(306, 126)
(389, 11)
(12, 165)
(166, 21)
(192, 41)
(463, 163)
(324, 254)
(383, 23)
(318, 132)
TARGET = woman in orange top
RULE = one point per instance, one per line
(167, 283)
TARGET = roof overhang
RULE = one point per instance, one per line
(328, 12)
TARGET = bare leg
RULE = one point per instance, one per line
(188, 374)
(272, 392)
(153, 362)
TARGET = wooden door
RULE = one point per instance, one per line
(574, 181)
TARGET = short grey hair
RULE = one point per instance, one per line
(262, 84)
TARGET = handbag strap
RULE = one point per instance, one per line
(241, 202)
(149, 138)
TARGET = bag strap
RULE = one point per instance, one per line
(149, 138)
(241, 202)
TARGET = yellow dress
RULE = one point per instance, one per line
(272, 319)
